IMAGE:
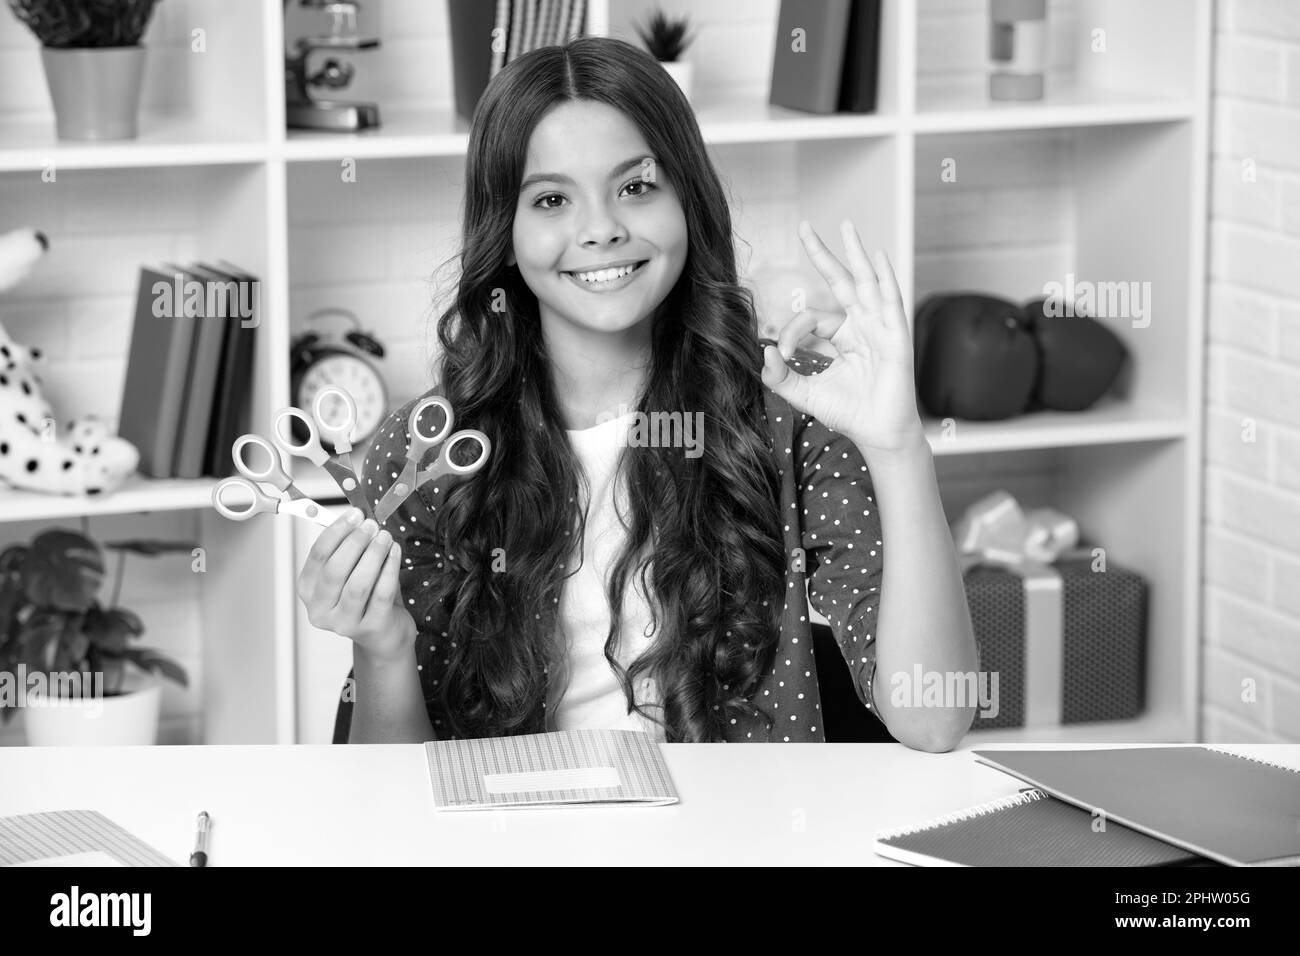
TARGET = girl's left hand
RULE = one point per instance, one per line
(867, 393)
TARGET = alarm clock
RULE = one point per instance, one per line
(342, 359)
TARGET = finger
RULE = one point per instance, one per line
(867, 289)
(325, 545)
(784, 381)
(360, 584)
(817, 322)
(837, 277)
(334, 575)
(388, 588)
(890, 294)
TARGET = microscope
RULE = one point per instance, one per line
(302, 109)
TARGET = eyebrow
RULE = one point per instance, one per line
(561, 178)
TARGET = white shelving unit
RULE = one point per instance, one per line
(1128, 128)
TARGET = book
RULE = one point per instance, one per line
(201, 381)
(1232, 809)
(858, 79)
(153, 392)
(562, 768)
(1027, 829)
(234, 375)
(806, 66)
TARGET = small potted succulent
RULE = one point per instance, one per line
(94, 62)
(667, 39)
(67, 659)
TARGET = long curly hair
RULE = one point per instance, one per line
(704, 532)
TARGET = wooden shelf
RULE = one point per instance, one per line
(1149, 729)
(1107, 423)
(138, 494)
(31, 144)
(965, 108)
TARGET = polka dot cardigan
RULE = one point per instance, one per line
(832, 536)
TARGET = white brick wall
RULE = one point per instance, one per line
(1251, 686)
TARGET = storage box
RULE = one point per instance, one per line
(1098, 671)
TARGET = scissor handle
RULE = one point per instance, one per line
(338, 434)
(311, 448)
(420, 443)
(444, 464)
(262, 503)
(273, 473)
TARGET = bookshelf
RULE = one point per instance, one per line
(1104, 178)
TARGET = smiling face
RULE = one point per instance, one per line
(599, 234)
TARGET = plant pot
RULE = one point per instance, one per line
(683, 74)
(95, 91)
(126, 719)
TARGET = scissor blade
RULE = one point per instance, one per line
(344, 476)
(401, 489)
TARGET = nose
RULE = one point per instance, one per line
(600, 227)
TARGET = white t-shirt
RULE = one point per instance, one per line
(592, 696)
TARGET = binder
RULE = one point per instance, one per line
(1232, 809)
(809, 80)
(1027, 829)
(153, 393)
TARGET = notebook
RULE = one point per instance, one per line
(72, 838)
(1233, 809)
(563, 768)
(1027, 829)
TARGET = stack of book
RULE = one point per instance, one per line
(486, 36)
(188, 371)
(827, 56)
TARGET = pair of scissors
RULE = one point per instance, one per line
(421, 442)
(289, 500)
(323, 423)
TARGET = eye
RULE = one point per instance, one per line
(641, 182)
(541, 199)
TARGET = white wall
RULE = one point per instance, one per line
(1252, 502)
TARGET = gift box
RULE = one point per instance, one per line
(1062, 627)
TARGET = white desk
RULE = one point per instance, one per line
(346, 805)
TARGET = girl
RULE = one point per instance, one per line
(598, 293)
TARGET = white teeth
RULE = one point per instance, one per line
(604, 275)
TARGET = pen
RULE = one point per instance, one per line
(200, 855)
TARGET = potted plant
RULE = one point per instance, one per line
(78, 679)
(94, 63)
(667, 38)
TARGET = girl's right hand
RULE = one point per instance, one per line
(349, 585)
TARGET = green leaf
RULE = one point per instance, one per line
(150, 659)
(63, 570)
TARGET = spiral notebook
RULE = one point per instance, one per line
(1231, 808)
(558, 769)
(1027, 829)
